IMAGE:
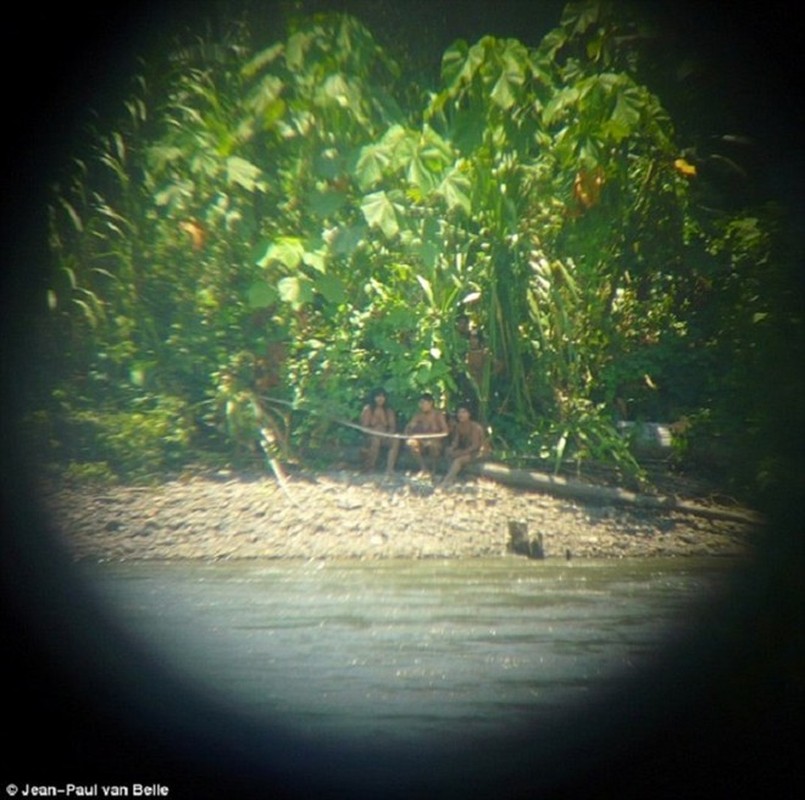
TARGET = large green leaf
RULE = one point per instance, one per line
(502, 93)
(331, 289)
(296, 290)
(422, 155)
(339, 91)
(243, 173)
(375, 160)
(372, 163)
(419, 175)
(513, 58)
(455, 188)
(343, 241)
(326, 204)
(287, 250)
(579, 16)
(261, 295)
(468, 128)
(317, 259)
(460, 63)
(559, 103)
(628, 105)
(453, 61)
(380, 212)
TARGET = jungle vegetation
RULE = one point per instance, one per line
(306, 220)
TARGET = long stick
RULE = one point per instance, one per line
(275, 465)
(369, 431)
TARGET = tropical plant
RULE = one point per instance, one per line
(275, 224)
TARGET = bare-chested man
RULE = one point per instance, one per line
(377, 415)
(467, 444)
(427, 420)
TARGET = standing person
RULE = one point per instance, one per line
(467, 444)
(377, 415)
(427, 420)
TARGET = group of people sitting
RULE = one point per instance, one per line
(428, 435)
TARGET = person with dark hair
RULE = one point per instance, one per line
(378, 415)
(467, 444)
(430, 421)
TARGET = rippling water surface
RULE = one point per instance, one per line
(397, 651)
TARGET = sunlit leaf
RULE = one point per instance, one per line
(296, 48)
(420, 176)
(617, 131)
(371, 165)
(316, 259)
(138, 374)
(88, 312)
(426, 287)
(243, 173)
(340, 91)
(502, 94)
(559, 103)
(71, 277)
(263, 59)
(453, 60)
(73, 214)
(455, 189)
(514, 57)
(296, 290)
(380, 212)
(287, 250)
(273, 113)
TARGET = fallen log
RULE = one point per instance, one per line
(604, 495)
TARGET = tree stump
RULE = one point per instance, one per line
(521, 543)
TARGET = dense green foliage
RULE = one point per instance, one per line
(283, 223)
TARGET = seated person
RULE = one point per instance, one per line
(377, 415)
(467, 443)
(428, 420)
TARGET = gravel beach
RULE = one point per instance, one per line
(344, 514)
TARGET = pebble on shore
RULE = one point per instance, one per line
(342, 514)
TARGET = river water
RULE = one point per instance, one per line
(395, 652)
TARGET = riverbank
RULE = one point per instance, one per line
(342, 513)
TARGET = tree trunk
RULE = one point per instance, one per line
(604, 495)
